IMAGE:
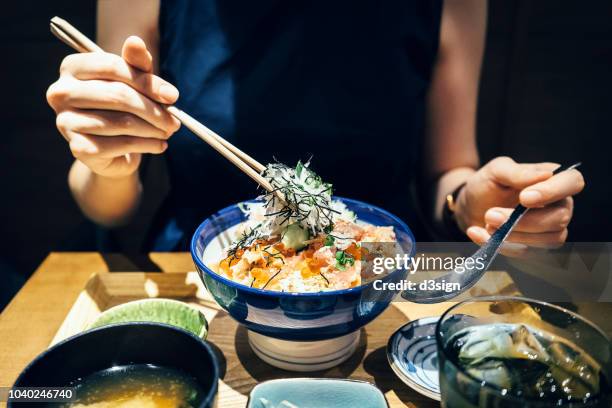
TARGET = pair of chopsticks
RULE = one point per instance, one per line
(251, 167)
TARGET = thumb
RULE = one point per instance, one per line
(135, 53)
(508, 173)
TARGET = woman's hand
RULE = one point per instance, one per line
(491, 194)
(108, 108)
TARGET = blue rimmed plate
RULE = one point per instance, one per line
(413, 356)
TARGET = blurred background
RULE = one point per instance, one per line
(545, 95)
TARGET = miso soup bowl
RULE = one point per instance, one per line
(123, 344)
(294, 316)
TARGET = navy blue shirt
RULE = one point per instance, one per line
(343, 81)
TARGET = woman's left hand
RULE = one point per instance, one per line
(491, 194)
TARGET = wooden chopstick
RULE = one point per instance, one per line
(79, 42)
(64, 30)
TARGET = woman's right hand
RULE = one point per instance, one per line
(108, 108)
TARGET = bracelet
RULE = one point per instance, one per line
(448, 216)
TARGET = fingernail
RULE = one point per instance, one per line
(168, 92)
(530, 197)
(495, 217)
(164, 146)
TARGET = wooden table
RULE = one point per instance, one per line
(31, 320)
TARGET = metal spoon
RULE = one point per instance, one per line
(470, 275)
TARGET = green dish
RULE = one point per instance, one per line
(166, 311)
(316, 392)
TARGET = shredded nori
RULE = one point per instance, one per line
(323, 276)
(270, 280)
(300, 203)
(246, 240)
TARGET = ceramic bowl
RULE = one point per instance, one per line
(124, 344)
(316, 393)
(296, 331)
(294, 316)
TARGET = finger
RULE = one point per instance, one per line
(117, 96)
(508, 173)
(135, 53)
(106, 123)
(480, 235)
(111, 67)
(539, 240)
(477, 234)
(564, 184)
(125, 164)
(89, 146)
(552, 218)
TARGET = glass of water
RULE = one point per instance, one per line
(518, 352)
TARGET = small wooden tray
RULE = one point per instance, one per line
(104, 291)
(241, 369)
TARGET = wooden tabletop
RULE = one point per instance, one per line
(31, 320)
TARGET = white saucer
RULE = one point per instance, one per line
(304, 355)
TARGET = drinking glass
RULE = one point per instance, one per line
(459, 389)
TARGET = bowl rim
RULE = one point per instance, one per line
(211, 395)
(274, 293)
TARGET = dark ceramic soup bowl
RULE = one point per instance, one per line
(119, 345)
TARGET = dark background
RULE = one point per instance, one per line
(545, 95)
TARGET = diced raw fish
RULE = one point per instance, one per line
(324, 255)
(378, 234)
(348, 230)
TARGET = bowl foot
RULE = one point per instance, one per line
(304, 355)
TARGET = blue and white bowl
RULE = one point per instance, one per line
(295, 317)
